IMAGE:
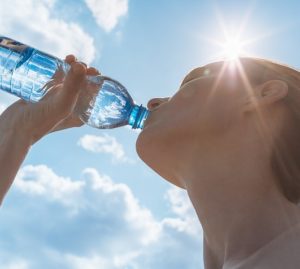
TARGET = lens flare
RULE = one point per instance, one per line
(232, 49)
(232, 40)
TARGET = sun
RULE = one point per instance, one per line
(231, 46)
(232, 49)
(231, 41)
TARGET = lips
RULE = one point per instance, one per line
(153, 112)
(147, 120)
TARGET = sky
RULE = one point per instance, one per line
(83, 198)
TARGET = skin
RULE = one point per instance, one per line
(23, 124)
(212, 138)
(218, 148)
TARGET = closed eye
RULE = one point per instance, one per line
(200, 72)
(196, 78)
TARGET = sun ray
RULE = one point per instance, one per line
(261, 36)
(217, 81)
(233, 45)
(212, 41)
(231, 48)
(247, 85)
(245, 79)
(244, 21)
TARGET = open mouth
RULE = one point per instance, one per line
(146, 123)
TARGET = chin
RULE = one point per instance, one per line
(154, 152)
(148, 145)
(152, 146)
(155, 142)
(143, 145)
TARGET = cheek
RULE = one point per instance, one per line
(218, 114)
(188, 115)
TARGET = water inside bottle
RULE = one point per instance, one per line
(26, 72)
(106, 102)
(29, 73)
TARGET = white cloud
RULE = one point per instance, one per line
(141, 219)
(103, 144)
(34, 22)
(16, 264)
(42, 181)
(107, 12)
(181, 205)
(110, 228)
(179, 201)
(2, 107)
(92, 262)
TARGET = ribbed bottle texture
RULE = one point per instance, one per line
(29, 73)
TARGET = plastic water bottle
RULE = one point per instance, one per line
(29, 74)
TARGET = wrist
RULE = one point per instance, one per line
(13, 149)
(15, 135)
(14, 129)
(17, 140)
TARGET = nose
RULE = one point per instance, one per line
(156, 102)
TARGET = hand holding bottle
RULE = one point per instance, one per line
(23, 123)
(59, 95)
(30, 73)
(55, 111)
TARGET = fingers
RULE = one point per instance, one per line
(74, 78)
(60, 74)
(70, 58)
(91, 71)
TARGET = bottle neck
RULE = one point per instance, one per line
(138, 116)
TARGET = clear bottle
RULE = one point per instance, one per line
(29, 74)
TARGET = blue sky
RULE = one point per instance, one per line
(82, 198)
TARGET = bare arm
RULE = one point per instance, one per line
(13, 149)
(22, 124)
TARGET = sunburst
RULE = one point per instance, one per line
(230, 48)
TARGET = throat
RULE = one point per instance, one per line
(237, 222)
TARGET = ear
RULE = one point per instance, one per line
(266, 94)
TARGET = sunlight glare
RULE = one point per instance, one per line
(232, 49)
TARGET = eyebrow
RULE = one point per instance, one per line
(197, 72)
(191, 76)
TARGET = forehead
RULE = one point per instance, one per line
(247, 66)
(202, 71)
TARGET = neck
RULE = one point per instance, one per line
(237, 202)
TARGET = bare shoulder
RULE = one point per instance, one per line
(282, 252)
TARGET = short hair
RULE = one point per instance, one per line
(285, 158)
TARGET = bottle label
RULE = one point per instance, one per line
(24, 51)
(12, 44)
